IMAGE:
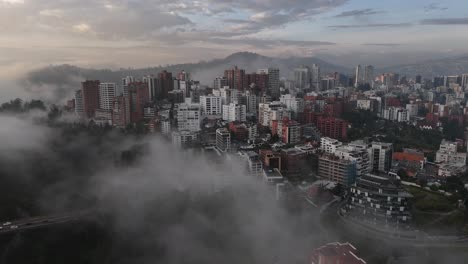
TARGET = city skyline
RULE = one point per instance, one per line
(125, 33)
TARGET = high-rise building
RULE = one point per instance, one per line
(153, 85)
(120, 111)
(364, 75)
(234, 112)
(274, 82)
(107, 92)
(223, 140)
(302, 77)
(439, 81)
(258, 81)
(333, 127)
(138, 97)
(464, 82)
(236, 78)
(418, 79)
(381, 156)
(291, 131)
(183, 76)
(254, 164)
(211, 105)
(79, 108)
(359, 156)
(329, 145)
(219, 83)
(90, 97)
(189, 117)
(316, 78)
(125, 82)
(328, 84)
(183, 138)
(336, 169)
(166, 85)
(251, 102)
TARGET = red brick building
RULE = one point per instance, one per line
(333, 127)
(236, 78)
(259, 79)
(166, 83)
(90, 97)
(120, 111)
(239, 131)
(138, 97)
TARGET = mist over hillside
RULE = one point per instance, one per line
(55, 84)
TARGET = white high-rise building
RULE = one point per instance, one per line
(219, 82)
(268, 112)
(359, 156)
(107, 92)
(381, 156)
(234, 112)
(211, 105)
(329, 145)
(293, 103)
(464, 82)
(79, 107)
(364, 75)
(315, 77)
(448, 153)
(125, 82)
(223, 139)
(251, 101)
(397, 114)
(302, 77)
(183, 138)
(152, 82)
(189, 117)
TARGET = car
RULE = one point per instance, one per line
(13, 226)
(7, 223)
(1, 227)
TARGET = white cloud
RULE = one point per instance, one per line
(12, 1)
(51, 13)
(82, 28)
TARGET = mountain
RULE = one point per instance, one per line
(431, 68)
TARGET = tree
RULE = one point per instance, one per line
(452, 130)
(12, 106)
(35, 105)
(54, 113)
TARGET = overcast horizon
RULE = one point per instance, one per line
(142, 33)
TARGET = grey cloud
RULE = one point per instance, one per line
(359, 12)
(445, 21)
(382, 44)
(147, 20)
(269, 42)
(157, 212)
(434, 7)
(388, 25)
(118, 20)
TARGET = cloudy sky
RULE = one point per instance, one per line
(136, 33)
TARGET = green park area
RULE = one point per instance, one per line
(436, 213)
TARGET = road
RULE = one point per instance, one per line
(38, 222)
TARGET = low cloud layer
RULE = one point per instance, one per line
(445, 21)
(359, 13)
(171, 206)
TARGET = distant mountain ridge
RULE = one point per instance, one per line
(428, 69)
(57, 83)
(205, 71)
